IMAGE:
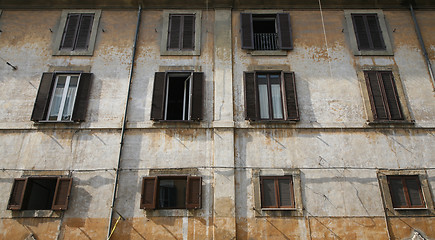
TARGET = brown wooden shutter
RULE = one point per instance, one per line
(174, 32)
(188, 32)
(193, 192)
(284, 31)
(61, 194)
(149, 193)
(70, 31)
(247, 31)
(361, 33)
(17, 194)
(158, 104)
(376, 97)
(197, 96)
(375, 32)
(84, 31)
(43, 97)
(291, 96)
(391, 96)
(82, 97)
(250, 96)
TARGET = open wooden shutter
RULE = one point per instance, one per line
(193, 192)
(188, 32)
(197, 98)
(247, 31)
(374, 87)
(17, 194)
(174, 32)
(61, 195)
(284, 31)
(250, 96)
(391, 95)
(84, 31)
(149, 193)
(82, 97)
(158, 104)
(291, 96)
(70, 31)
(43, 97)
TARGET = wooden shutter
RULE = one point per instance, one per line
(70, 31)
(174, 32)
(188, 32)
(197, 96)
(61, 194)
(158, 104)
(361, 33)
(17, 194)
(391, 95)
(84, 31)
(376, 97)
(250, 96)
(149, 193)
(291, 96)
(284, 31)
(247, 31)
(82, 97)
(193, 192)
(43, 97)
(377, 40)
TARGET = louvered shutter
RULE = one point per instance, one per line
(188, 32)
(174, 32)
(284, 31)
(193, 192)
(70, 31)
(291, 96)
(158, 104)
(149, 193)
(361, 33)
(17, 194)
(82, 97)
(197, 96)
(377, 41)
(414, 192)
(84, 31)
(391, 96)
(376, 97)
(42, 101)
(397, 192)
(247, 31)
(61, 195)
(250, 96)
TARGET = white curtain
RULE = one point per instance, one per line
(264, 101)
(276, 101)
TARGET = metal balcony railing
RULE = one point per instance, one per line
(265, 41)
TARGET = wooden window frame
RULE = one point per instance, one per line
(277, 193)
(405, 191)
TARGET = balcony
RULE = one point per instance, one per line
(265, 41)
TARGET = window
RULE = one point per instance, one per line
(383, 95)
(271, 96)
(40, 193)
(77, 33)
(266, 31)
(277, 192)
(368, 32)
(177, 96)
(62, 97)
(171, 192)
(182, 33)
(406, 192)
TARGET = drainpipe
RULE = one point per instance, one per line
(420, 39)
(115, 186)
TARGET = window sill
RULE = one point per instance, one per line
(180, 53)
(391, 122)
(268, 53)
(273, 121)
(36, 214)
(278, 209)
(174, 121)
(171, 212)
(373, 53)
(409, 209)
(49, 121)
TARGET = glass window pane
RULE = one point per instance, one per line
(172, 193)
(269, 199)
(57, 98)
(285, 192)
(397, 193)
(276, 101)
(414, 192)
(70, 98)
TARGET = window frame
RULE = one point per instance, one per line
(196, 51)
(405, 191)
(57, 41)
(277, 192)
(388, 51)
(64, 96)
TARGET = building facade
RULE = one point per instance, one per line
(217, 120)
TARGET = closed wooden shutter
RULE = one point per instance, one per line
(368, 32)
(361, 34)
(61, 195)
(42, 101)
(158, 104)
(374, 87)
(375, 32)
(197, 96)
(193, 195)
(188, 32)
(17, 194)
(82, 97)
(84, 31)
(70, 31)
(391, 96)
(291, 96)
(250, 96)
(284, 31)
(247, 31)
(174, 32)
(149, 193)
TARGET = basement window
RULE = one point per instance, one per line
(40, 193)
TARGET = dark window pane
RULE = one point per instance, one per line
(269, 199)
(414, 192)
(397, 193)
(285, 192)
(172, 193)
(39, 194)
